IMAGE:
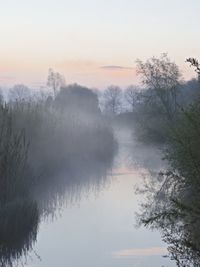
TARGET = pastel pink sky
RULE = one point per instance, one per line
(77, 38)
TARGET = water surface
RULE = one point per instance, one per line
(97, 226)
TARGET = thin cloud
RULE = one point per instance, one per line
(153, 251)
(115, 67)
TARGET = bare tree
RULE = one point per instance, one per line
(161, 76)
(112, 100)
(19, 93)
(55, 81)
(132, 96)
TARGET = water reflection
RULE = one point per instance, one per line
(99, 229)
(138, 156)
(18, 230)
(68, 187)
(19, 219)
(101, 232)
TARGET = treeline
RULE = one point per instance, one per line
(169, 113)
(115, 100)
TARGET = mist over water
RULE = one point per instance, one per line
(81, 179)
(106, 175)
(87, 215)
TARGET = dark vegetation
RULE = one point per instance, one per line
(18, 230)
(173, 198)
(48, 146)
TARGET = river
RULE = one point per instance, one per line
(98, 228)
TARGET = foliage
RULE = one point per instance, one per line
(173, 199)
(75, 98)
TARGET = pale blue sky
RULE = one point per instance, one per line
(78, 37)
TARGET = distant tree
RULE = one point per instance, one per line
(161, 76)
(55, 81)
(112, 100)
(132, 96)
(77, 98)
(19, 93)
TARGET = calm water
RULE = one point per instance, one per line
(96, 228)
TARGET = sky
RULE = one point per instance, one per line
(94, 43)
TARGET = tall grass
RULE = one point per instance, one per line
(39, 140)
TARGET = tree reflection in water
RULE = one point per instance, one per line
(19, 219)
(175, 212)
(18, 230)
